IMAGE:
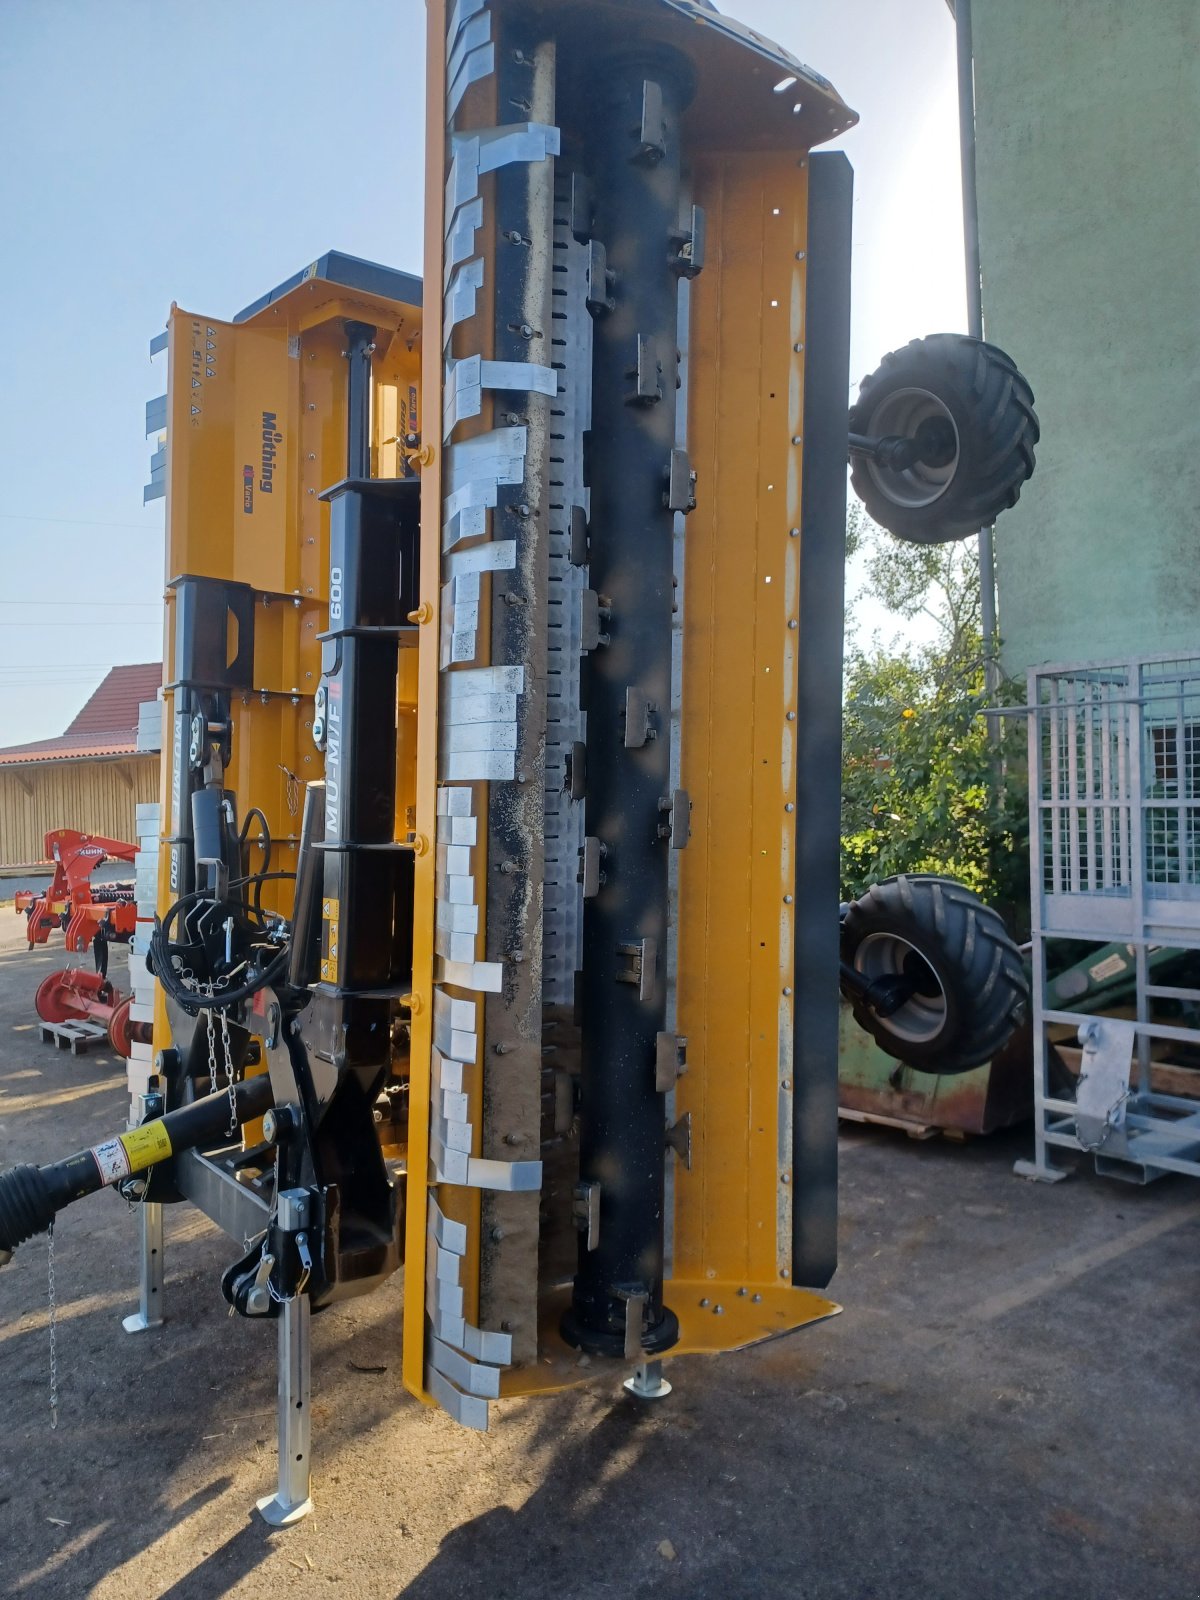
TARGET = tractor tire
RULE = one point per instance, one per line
(971, 989)
(970, 399)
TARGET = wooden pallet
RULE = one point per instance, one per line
(77, 1037)
(914, 1130)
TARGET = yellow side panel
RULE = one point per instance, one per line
(730, 1279)
(732, 1209)
(425, 799)
(233, 437)
(256, 431)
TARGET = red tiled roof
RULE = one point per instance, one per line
(106, 726)
(115, 703)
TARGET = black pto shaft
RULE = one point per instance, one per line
(31, 1197)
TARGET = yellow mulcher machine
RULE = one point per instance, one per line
(495, 932)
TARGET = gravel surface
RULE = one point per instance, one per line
(1006, 1408)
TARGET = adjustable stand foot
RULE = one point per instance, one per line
(291, 1500)
(648, 1382)
(150, 1254)
(1043, 1172)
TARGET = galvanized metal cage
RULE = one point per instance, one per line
(1114, 767)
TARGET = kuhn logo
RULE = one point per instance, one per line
(271, 440)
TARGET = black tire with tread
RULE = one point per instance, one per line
(966, 943)
(992, 406)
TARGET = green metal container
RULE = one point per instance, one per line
(874, 1087)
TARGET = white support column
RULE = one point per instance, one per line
(150, 1259)
(292, 1501)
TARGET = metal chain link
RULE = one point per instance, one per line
(291, 791)
(213, 1085)
(214, 1082)
(53, 1304)
(229, 1078)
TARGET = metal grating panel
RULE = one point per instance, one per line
(1114, 752)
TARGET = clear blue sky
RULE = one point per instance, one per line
(203, 152)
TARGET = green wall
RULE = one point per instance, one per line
(1089, 196)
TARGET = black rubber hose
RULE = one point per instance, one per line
(192, 1000)
(265, 840)
(31, 1197)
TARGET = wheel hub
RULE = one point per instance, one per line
(918, 415)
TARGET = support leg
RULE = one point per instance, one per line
(150, 1254)
(291, 1501)
(1041, 1168)
(648, 1382)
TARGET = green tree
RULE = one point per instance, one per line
(924, 788)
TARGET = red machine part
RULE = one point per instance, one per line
(73, 995)
(119, 1035)
(117, 917)
(76, 856)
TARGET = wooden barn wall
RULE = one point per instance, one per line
(93, 796)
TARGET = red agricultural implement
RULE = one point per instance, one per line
(91, 916)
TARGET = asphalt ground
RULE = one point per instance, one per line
(1007, 1407)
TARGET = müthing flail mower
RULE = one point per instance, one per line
(91, 916)
(538, 589)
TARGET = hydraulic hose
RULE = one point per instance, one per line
(192, 1000)
(31, 1197)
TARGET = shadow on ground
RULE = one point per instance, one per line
(1005, 1408)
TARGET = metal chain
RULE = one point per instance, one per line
(213, 1085)
(229, 1078)
(291, 790)
(53, 1304)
